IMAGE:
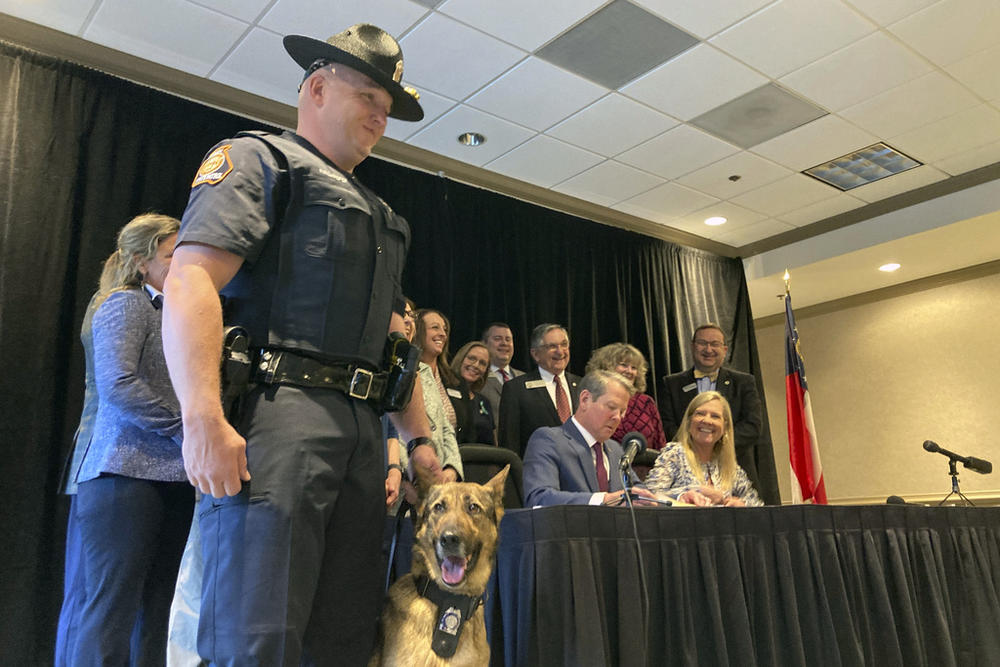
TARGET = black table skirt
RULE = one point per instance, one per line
(802, 585)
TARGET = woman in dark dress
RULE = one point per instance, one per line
(475, 421)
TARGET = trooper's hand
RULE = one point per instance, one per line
(424, 457)
(215, 456)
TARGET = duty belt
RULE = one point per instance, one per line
(284, 367)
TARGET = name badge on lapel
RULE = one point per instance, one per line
(454, 393)
(689, 387)
(535, 384)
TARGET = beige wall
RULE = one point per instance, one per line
(887, 371)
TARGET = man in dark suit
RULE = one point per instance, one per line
(545, 397)
(708, 346)
(577, 463)
(499, 340)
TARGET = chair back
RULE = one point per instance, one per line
(483, 462)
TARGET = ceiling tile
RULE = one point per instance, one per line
(321, 19)
(816, 142)
(536, 94)
(678, 151)
(821, 210)
(979, 72)
(433, 105)
(899, 183)
(173, 33)
(544, 161)
(616, 44)
(885, 12)
(792, 33)
(612, 125)
(524, 23)
(607, 183)
(441, 136)
(790, 193)
(951, 29)
(734, 214)
(260, 65)
(703, 17)
(753, 172)
(64, 15)
(244, 10)
(761, 114)
(666, 202)
(857, 72)
(454, 60)
(753, 232)
(707, 76)
(915, 103)
(952, 135)
(969, 160)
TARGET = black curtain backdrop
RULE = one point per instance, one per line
(82, 152)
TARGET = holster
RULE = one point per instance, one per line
(401, 360)
(235, 369)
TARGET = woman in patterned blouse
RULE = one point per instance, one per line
(701, 468)
(641, 414)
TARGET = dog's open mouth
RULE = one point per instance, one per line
(453, 569)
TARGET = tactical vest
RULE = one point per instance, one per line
(325, 280)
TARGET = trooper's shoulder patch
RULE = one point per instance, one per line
(215, 167)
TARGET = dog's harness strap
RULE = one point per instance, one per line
(453, 611)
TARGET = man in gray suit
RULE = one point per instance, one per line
(499, 340)
(577, 463)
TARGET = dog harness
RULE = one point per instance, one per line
(453, 611)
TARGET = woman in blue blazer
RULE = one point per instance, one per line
(134, 503)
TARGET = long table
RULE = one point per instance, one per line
(797, 585)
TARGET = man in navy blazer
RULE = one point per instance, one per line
(577, 463)
(530, 401)
(708, 346)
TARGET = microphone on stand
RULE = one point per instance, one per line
(981, 466)
(633, 443)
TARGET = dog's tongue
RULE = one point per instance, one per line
(453, 570)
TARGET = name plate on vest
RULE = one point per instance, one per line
(535, 384)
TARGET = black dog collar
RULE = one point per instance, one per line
(453, 611)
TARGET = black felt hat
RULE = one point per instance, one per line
(368, 49)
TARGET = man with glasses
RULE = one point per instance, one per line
(547, 396)
(708, 346)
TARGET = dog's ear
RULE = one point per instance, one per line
(496, 485)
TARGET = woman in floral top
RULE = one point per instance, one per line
(701, 469)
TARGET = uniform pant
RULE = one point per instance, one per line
(292, 563)
(133, 533)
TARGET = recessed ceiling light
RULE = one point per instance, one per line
(889, 268)
(862, 167)
(471, 139)
(715, 221)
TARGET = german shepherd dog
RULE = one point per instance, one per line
(433, 616)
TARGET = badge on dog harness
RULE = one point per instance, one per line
(451, 621)
(215, 167)
(453, 611)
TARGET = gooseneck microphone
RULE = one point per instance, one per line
(981, 466)
(633, 443)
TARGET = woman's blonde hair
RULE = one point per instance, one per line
(608, 357)
(725, 449)
(138, 241)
